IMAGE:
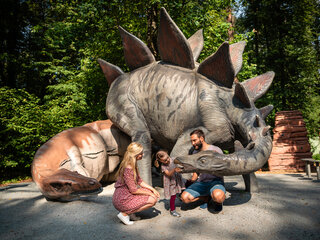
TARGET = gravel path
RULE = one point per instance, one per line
(287, 207)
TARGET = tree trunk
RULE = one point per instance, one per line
(231, 20)
(152, 23)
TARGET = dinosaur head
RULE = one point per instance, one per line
(65, 185)
(252, 148)
(202, 162)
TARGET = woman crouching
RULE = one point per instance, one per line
(131, 193)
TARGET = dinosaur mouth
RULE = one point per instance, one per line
(186, 168)
(87, 192)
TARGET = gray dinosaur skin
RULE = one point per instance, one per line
(240, 162)
(245, 125)
(178, 105)
(166, 100)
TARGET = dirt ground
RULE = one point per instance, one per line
(286, 207)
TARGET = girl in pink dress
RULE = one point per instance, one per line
(172, 179)
(131, 194)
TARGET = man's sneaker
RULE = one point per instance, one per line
(175, 214)
(217, 207)
(124, 219)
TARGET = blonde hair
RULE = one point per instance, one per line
(129, 159)
(159, 155)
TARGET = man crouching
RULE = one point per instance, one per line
(204, 185)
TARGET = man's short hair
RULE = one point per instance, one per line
(198, 132)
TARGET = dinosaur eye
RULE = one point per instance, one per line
(56, 186)
(202, 161)
(91, 182)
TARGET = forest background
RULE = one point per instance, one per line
(50, 79)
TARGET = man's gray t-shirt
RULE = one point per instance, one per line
(206, 177)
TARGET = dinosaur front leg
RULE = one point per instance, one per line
(124, 113)
(140, 134)
(144, 165)
(251, 182)
(76, 162)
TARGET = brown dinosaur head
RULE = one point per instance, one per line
(65, 185)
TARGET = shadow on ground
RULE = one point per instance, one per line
(287, 207)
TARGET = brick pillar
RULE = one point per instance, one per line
(290, 142)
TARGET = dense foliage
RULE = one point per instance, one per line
(286, 40)
(50, 79)
(49, 76)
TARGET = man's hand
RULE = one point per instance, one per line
(194, 177)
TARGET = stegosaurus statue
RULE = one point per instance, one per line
(165, 100)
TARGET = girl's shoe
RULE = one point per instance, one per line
(124, 219)
(175, 214)
(134, 217)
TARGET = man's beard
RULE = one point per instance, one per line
(198, 146)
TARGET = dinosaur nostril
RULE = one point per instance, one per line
(91, 182)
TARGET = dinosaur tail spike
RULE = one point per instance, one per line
(265, 111)
(173, 46)
(242, 95)
(236, 51)
(259, 85)
(265, 130)
(258, 121)
(219, 67)
(196, 43)
(238, 146)
(110, 71)
(136, 53)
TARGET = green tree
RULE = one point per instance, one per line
(58, 83)
(20, 131)
(13, 24)
(285, 42)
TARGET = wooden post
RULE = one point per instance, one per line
(308, 170)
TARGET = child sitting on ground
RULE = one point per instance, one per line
(172, 179)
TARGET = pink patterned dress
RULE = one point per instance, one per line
(123, 198)
(171, 185)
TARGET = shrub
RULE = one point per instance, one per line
(316, 156)
(19, 130)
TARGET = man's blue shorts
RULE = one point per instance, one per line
(205, 188)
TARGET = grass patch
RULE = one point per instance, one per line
(15, 180)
